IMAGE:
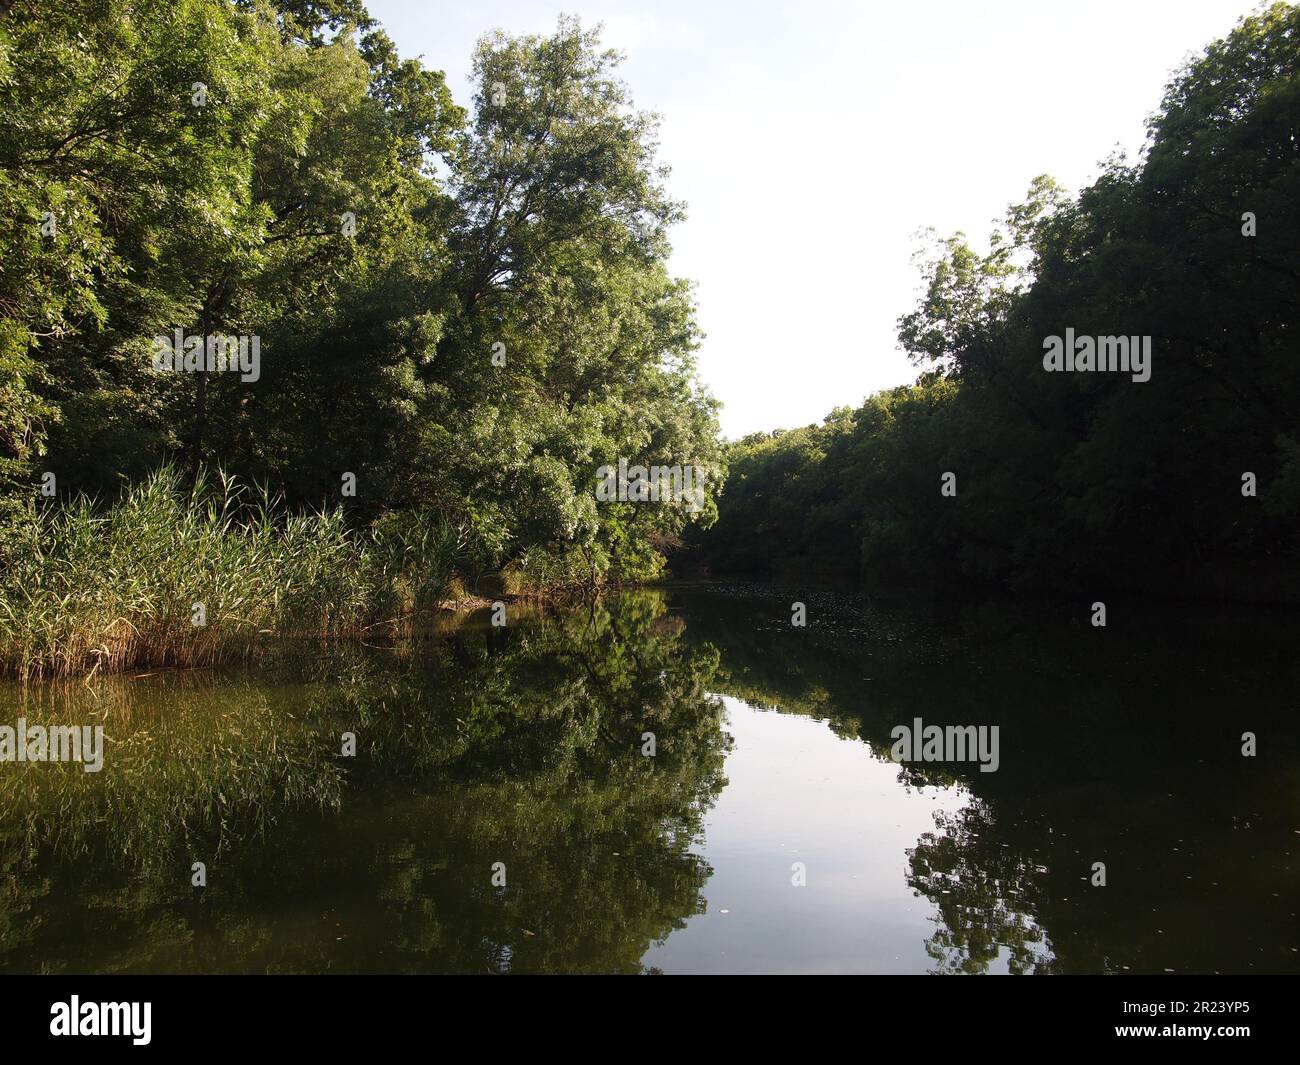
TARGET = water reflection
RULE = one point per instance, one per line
(1124, 750)
(483, 747)
(808, 842)
(524, 747)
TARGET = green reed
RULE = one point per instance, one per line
(86, 588)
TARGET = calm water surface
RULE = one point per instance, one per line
(769, 832)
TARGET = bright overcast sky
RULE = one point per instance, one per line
(812, 140)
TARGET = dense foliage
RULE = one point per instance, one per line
(1085, 479)
(467, 313)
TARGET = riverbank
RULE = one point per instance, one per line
(181, 575)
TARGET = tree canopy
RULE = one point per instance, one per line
(468, 312)
(1068, 480)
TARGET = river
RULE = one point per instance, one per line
(680, 781)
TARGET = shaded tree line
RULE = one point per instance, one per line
(469, 312)
(1188, 482)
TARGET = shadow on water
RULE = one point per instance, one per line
(524, 746)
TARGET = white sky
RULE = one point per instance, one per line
(812, 140)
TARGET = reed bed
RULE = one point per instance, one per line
(86, 588)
